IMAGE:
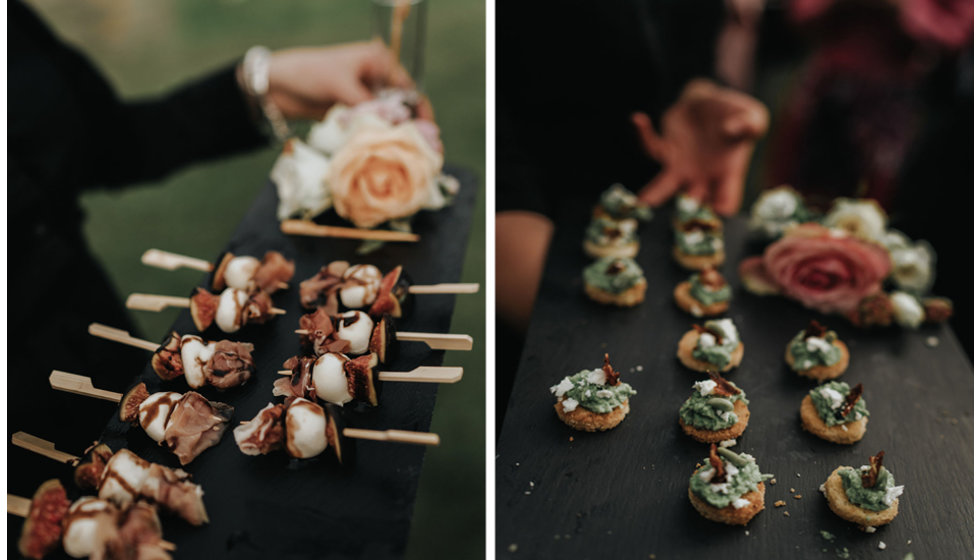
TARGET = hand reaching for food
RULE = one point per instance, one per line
(707, 139)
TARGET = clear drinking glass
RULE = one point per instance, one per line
(401, 25)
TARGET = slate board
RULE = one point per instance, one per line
(271, 506)
(623, 494)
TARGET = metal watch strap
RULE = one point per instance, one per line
(255, 80)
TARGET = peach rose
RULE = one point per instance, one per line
(383, 172)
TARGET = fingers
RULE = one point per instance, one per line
(749, 123)
(651, 142)
(660, 188)
(727, 198)
(378, 67)
(698, 190)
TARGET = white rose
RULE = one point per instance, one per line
(912, 267)
(330, 134)
(894, 239)
(862, 218)
(908, 310)
(298, 174)
(773, 211)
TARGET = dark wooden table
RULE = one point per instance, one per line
(274, 507)
(623, 494)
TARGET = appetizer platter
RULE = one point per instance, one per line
(293, 497)
(626, 492)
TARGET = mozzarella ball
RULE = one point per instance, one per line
(306, 429)
(356, 327)
(123, 477)
(329, 379)
(240, 271)
(80, 536)
(195, 353)
(230, 306)
(155, 411)
(366, 291)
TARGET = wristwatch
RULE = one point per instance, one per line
(253, 77)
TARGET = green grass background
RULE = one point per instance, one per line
(146, 47)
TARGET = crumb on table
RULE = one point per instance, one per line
(779, 503)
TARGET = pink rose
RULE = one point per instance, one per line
(829, 272)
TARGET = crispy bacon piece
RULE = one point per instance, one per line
(815, 329)
(321, 289)
(698, 224)
(300, 383)
(41, 533)
(264, 433)
(870, 477)
(273, 270)
(204, 305)
(88, 472)
(166, 360)
(614, 268)
(361, 377)
(195, 424)
(388, 301)
(321, 334)
(711, 278)
(716, 464)
(722, 386)
(230, 365)
(612, 376)
(850, 401)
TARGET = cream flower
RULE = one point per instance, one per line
(908, 311)
(894, 239)
(913, 266)
(298, 175)
(382, 172)
(862, 218)
(330, 134)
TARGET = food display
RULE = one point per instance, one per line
(619, 204)
(186, 424)
(615, 281)
(230, 310)
(698, 239)
(249, 274)
(728, 487)
(816, 352)
(356, 287)
(836, 412)
(90, 527)
(593, 400)
(716, 411)
(605, 237)
(704, 294)
(353, 332)
(715, 346)
(867, 496)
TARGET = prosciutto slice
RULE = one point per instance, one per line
(195, 425)
(321, 336)
(300, 383)
(264, 433)
(230, 365)
(274, 270)
(321, 289)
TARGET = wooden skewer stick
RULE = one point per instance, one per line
(172, 261)
(304, 227)
(80, 385)
(421, 374)
(466, 288)
(41, 447)
(418, 438)
(153, 302)
(436, 341)
(17, 505)
(119, 335)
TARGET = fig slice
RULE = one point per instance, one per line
(129, 406)
(383, 338)
(41, 533)
(218, 278)
(204, 305)
(343, 447)
(361, 378)
(88, 473)
(387, 301)
(166, 361)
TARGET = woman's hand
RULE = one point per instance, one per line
(708, 137)
(305, 82)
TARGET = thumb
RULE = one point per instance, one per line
(660, 188)
(651, 142)
(352, 92)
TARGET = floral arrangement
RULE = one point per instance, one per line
(375, 163)
(847, 261)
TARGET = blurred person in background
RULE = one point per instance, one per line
(68, 132)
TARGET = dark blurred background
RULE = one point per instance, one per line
(146, 47)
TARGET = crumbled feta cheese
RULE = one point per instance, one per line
(705, 387)
(823, 489)
(687, 204)
(844, 427)
(706, 340)
(869, 529)
(596, 377)
(588, 393)
(693, 237)
(719, 487)
(696, 311)
(716, 244)
(564, 386)
(707, 475)
(740, 503)
(881, 545)
(815, 344)
(727, 443)
(725, 328)
(569, 404)
(604, 394)
(730, 470)
(892, 494)
(639, 368)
